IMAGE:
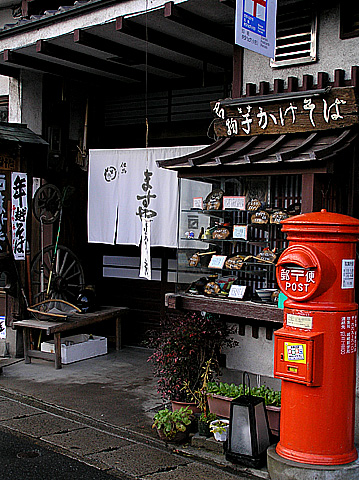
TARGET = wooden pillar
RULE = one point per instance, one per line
(307, 192)
(237, 83)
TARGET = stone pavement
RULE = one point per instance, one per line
(100, 411)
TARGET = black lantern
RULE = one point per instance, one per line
(249, 435)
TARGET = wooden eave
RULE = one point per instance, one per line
(265, 152)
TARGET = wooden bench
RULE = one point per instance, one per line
(73, 321)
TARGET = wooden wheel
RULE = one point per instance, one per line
(67, 278)
(47, 203)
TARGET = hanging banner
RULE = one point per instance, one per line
(255, 25)
(145, 268)
(18, 214)
(126, 183)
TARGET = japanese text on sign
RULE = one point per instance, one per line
(3, 213)
(297, 279)
(347, 273)
(19, 210)
(348, 334)
(247, 117)
(295, 352)
(335, 108)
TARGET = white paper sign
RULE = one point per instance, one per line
(217, 261)
(240, 231)
(238, 203)
(237, 291)
(198, 203)
(347, 273)
(255, 25)
(145, 268)
(3, 327)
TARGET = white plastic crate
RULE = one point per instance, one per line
(78, 347)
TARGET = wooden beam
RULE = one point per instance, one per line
(228, 3)
(31, 63)
(135, 30)
(8, 71)
(199, 24)
(131, 56)
(84, 60)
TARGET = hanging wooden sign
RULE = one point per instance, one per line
(335, 109)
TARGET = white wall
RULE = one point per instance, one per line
(332, 53)
(25, 100)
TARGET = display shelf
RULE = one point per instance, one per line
(236, 308)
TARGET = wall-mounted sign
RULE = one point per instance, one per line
(335, 109)
(255, 27)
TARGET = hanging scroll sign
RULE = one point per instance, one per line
(146, 215)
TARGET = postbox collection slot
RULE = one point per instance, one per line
(292, 369)
(294, 266)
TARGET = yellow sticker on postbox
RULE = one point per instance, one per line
(295, 352)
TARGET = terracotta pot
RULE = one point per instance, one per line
(273, 414)
(179, 437)
(177, 405)
(219, 405)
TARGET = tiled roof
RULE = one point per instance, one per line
(48, 13)
(17, 132)
(265, 150)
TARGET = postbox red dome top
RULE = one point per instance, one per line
(322, 222)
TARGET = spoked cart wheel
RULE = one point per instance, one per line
(47, 203)
(67, 278)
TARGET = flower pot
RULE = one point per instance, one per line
(179, 437)
(203, 429)
(177, 405)
(219, 405)
(220, 435)
(273, 414)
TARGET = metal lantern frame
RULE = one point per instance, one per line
(258, 439)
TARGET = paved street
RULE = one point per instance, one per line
(98, 412)
(25, 459)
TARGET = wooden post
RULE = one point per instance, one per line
(307, 192)
(57, 343)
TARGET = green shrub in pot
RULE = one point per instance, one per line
(170, 423)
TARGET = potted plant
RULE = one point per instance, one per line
(220, 395)
(182, 348)
(272, 400)
(219, 428)
(199, 396)
(173, 426)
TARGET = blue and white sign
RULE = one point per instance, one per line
(255, 27)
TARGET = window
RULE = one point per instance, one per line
(349, 21)
(296, 34)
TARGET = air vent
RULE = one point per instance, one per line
(296, 35)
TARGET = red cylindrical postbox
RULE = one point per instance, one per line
(315, 351)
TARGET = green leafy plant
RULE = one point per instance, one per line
(271, 396)
(172, 422)
(226, 389)
(181, 350)
(207, 417)
(219, 427)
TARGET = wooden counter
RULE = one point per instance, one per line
(72, 322)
